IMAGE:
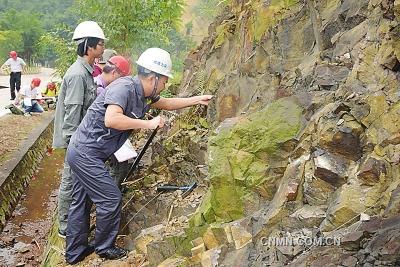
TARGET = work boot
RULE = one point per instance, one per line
(89, 250)
(113, 253)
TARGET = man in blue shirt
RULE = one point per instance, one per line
(104, 129)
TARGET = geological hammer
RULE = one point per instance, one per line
(186, 189)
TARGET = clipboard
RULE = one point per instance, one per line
(126, 152)
(28, 102)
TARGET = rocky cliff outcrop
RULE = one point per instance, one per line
(306, 140)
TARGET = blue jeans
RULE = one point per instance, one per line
(36, 107)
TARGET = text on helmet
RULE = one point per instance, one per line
(160, 63)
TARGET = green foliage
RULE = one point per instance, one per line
(9, 40)
(63, 49)
(208, 8)
(166, 94)
(27, 24)
(41, 30)
(132, 26)
(24, 22)
(49, 12)
(189, 27)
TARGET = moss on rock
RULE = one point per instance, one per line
(269, 15)
(240, 157)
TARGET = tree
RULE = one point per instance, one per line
(29, 20)
(49, 12)
(133, 24)
(9, 40)
(62, 48)
(29, 27)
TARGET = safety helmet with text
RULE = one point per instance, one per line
(88, 29)
(156, 60)
(36, 82)
(13, 54)
(122, 64)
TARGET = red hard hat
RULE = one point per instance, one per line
(122, 64)
(13, 54)
(51, 86)
(36, 82)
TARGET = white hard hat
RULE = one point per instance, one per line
(88, 29)
(156, 60)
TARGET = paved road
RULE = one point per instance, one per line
(46, 75)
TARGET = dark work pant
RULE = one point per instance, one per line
(118, 170)
(15, 83)
(91, 184)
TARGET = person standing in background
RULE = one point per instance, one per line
(77, 93)
(98, 67)
(16, 65)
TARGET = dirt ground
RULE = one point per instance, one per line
(14, 129)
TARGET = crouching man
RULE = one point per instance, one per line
(104, 129)
(29, 97)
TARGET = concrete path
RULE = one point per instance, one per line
(46, 75)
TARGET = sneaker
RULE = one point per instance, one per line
(89, 250)
(27, 114)
(113, 253)
(62, 234)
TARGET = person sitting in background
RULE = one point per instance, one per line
(51, 92)
(99, 65)
(29, 96)
(116, 67)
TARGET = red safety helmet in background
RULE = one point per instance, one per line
(122, 64)
(51, 86)
(13, 54)
(36, 82)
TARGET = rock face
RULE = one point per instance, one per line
(306, 134)
(245, 161)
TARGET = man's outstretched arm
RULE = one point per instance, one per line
(178, 103)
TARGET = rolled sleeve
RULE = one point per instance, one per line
(117, 96)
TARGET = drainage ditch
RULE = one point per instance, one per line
(28, 190)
